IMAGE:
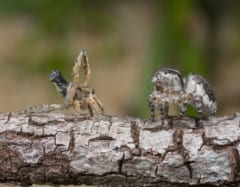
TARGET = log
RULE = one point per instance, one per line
(56, 148)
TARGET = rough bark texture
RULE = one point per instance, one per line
(56, 148)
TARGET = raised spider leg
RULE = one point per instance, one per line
(72, 88)
(83, 58)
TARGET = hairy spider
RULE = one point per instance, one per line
(78, 95)
(170, 88)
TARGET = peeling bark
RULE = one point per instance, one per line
(56, 148)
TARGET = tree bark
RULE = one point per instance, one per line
(56, 148)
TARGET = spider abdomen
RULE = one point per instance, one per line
(203, 97)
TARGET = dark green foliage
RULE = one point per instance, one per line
(58, 17)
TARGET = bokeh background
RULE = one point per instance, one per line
(127, 41)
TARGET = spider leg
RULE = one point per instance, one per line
(76, 69)
(95, 105)
(183, 104)
(90, 109)
(77, 106)
(185, 99)
(97, 101)
(183, 109)
(83, 58)
(90, 105)
(70, 94)
(163, 109)
(72, 88)
(152, 107)
(199, 107)
(166, 109)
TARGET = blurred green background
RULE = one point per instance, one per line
(127, 41)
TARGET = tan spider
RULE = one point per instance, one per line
(77, 95)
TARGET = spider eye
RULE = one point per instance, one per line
(165, 73)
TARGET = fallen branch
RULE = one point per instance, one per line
(56, 148)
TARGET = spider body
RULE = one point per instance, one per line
(170, 88)
(80, 96)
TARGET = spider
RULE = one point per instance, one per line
(77, 95)
(171, 88)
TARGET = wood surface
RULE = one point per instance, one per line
(56, 148)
